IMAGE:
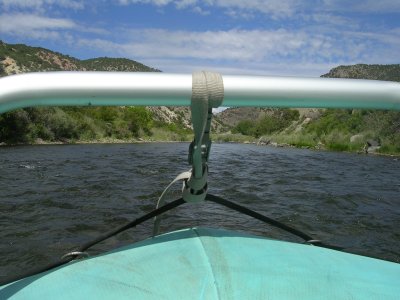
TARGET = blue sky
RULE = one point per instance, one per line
(261, 37)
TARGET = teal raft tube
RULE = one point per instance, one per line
(200, 263)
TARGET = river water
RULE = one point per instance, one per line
(54, 198)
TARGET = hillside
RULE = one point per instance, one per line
(37, 125)
(21, 58)
(333, 129)
(362, 71)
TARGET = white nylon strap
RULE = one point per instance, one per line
(161, 200)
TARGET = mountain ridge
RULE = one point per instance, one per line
(363, 71)
(20, 58)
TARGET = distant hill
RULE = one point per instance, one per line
(20, 58)
(362, 71)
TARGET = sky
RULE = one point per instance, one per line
(259, 37)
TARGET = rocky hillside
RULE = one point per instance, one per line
(21, 58)
(232, 116)
(362, 71)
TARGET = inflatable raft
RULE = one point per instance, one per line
(202, 263)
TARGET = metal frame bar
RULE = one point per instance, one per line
(157, 89)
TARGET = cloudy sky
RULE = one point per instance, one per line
(271, 37)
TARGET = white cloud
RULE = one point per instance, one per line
(308, 40)
(154, 2)
(274, 8)
(201, 11)
(27, 25)
(264, 52)
(27, 21)
(308, 69)
(40, 27)
(280, 9)
(41, 5)
(185, 3)
(239, 45)
(365, 6)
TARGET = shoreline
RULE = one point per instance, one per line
(143, 141)
(105, 141)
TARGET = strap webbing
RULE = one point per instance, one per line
(161, 200)
(207, 92)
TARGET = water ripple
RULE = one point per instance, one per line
(57, 197)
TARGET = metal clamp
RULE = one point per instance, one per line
(207, 93)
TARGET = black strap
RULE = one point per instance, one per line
(99, 239)
(244, 210)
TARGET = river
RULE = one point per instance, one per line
(56, 197)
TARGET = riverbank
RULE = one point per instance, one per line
(88, 142)
(303, 142)
(216, 138)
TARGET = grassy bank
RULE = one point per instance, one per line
(335, 129)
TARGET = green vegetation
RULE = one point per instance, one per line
(343, 130)
(36, 59)
(114, 64)
(276, 121)
(335, 129)
(171, 132)
(233, 138)
(69, 124)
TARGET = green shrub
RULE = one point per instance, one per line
(15, 127)
(245, 127)
(276, 121)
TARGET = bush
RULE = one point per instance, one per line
(15, 127)
(245, 127)
(337, 119)
(70, 123)
(278, 120)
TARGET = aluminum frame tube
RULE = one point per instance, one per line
(162, 89)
